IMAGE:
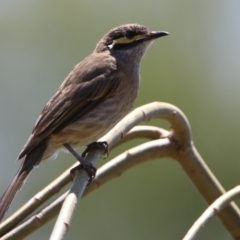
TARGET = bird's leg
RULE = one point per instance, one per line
(87, 166)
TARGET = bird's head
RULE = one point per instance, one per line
(130, 41)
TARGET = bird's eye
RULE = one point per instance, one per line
(129, 34)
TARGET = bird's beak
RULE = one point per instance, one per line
(157, 34)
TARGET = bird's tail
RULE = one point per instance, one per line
(32, 159)
(9, 194)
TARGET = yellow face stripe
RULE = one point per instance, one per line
(125, 40)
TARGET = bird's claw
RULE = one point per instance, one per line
(100, 145)
(88, 167)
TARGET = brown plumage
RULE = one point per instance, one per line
(96, 95)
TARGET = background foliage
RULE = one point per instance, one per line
(195, 68)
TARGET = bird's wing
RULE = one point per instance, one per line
(80, 93)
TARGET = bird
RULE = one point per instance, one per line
(93, 98)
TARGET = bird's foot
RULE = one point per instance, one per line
(88, 167)
(99, 145)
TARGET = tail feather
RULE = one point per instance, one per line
(9, 194)
(31, 160)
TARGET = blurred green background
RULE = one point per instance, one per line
(195, 68)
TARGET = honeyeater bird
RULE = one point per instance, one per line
(94, 97)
